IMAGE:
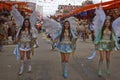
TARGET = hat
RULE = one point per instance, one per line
(108, 17)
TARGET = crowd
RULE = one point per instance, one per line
(8, 28)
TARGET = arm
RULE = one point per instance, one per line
(115, 40)
(34, 34)
(74, 33)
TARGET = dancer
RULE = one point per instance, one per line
(53, 44)
(25, 37)
(105, 40)
(26, 42)
(65, 45)
(65, 33)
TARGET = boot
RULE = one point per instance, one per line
(99, 69)
(21, 67)
(29, 66)
(64, 70)
(108, 68)
(62, 65)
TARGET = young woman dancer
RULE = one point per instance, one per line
(105, 41)
(26, 41)
(65, 46)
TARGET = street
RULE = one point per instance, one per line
(46, 64)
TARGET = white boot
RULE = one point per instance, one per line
(29, 66)
(21, 68)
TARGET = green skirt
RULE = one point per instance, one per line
(105, 45)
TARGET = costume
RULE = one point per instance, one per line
(106, 38)
(107, 41)
(26, 38)
(66, 44)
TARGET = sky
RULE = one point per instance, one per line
(72, 2)
(50, 6)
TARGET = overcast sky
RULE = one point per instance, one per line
(50, 6)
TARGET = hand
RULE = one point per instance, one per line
(73, 53)
(33, 41)
(96, 46)
(16, 40)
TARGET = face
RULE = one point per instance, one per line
(107, 23)
(67, 25)
(38, 24)
(26, 23)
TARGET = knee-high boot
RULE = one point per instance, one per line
(29, 65)
(108, 68)
(21, 67)
(64, 69)
(100, 69)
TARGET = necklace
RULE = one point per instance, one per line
(66, 33)
(107, 31)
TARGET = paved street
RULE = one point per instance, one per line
(46, 64)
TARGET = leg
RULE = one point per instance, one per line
(53, 46)
(74, 49)
(100, 63)
(22, 54)
(83, 36)
(108, 62)
(73, 53)
(29, 61)
(62, 62)
(62, 57)
(65, 75)
(28, 55)
(67, 55)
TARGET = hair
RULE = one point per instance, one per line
(110, 27)
(23, 26)
(63, 31)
